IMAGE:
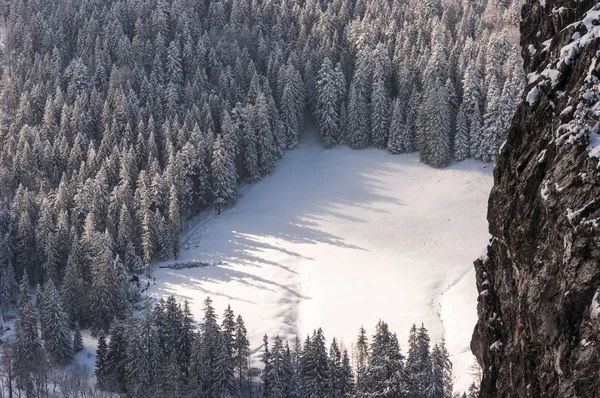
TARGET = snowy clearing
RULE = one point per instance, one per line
(341, 238)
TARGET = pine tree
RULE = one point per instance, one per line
(241, 353)
(277, 377)
(266, 360)
(399, 136)
(423, 369)
(347, 377)
(380, 108)
(77, 339)
(8, 288)
(28, 346)
(357, 129)
(315, 372)
(385, 373)
(435, 386)
(174, 221)
(446, 366)
(73, 285)
(100, 370)
(58, 341)
(224, 173)
(435, 126)
(223, 378)
(335, 375)
(462, 142)
(292, 105)
(116, 360)
(329, 102)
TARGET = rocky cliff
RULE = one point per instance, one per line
(538, 333)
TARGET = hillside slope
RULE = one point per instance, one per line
(539, 327)
(341, 238)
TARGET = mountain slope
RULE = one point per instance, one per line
(341, 238)
(538, 328)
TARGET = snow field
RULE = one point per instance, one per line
(341, 238)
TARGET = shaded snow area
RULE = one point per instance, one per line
(341, 238)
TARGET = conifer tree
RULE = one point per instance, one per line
(241, 353)
(8, 288)
(28, 346)
(380, 108)
(101, 352)
(224, 173)
(77, 339)
(462, 142)
(174, 221)
(357, 129)
(58, 341)
(328, 104)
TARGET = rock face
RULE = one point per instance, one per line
(538, 333)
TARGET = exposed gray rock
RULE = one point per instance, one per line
(538, 333)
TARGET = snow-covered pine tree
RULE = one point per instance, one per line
(335, 376)
(446, 365)
(316, 365)
(385, 372)
(174, 221)
(223, 382)
(380, 102)
(267, 140)
(241, 355)
(435, 387)
(347, 379)
(435, 126)
(28, 346)
(73, 285)
(8, 288)
(266, 371)
(58, 341)
(77, 339)
(328, 104)
(292, 105)
(224, 173)
(422, 372)
(357, 131)
(100, 369)
(462, 143)
(116, 359)
(277, 377)
(399, 135)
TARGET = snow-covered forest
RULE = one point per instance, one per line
(161, 353)
(119, 120)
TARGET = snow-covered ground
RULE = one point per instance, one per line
(341, 238)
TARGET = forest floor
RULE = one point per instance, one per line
(342, 238)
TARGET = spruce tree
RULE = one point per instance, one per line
(380, 108)
(462, 143)
(174, 221)
(28, 346)
(58, 341)
(224, 173)
(77, 339)
(328, 104)
(100, 369)
(241, 353)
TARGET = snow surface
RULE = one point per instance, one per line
(594, 146)
(533, 95)
(341, 238)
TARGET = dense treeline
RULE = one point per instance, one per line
(162, 352)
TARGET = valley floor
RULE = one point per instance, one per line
(341, 238)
